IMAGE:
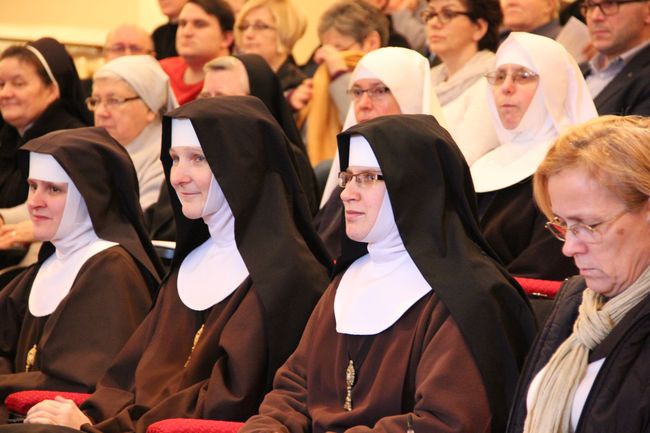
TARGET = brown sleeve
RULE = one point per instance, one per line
(107, 301)
(13, 304)
(449, 392)
(285, 408)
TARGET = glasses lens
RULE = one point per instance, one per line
(557, 230)
(343, 179)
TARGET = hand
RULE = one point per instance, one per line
(59, 411)
(332, 58)
(12, 235)
(301, 95)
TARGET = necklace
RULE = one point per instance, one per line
(30, 358)
(362, 345)
(194, 343)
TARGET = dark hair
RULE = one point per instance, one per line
(221, 10)
(490, 11)
(356, 19)
(23, 54)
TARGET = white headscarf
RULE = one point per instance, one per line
(148, 80)
(378, 288)
(75, 240)
(562, 99)
(218, 256)
(408, 76)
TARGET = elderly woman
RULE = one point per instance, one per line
(589, 369)
(66, 317)
(535, 92)
(130, 95)
(247, 272)
(40, 92)
(420, 328)
(464, 34)
(386, 81)
(271, 28)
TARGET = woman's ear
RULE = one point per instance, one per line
(481, 27)
(371, 42)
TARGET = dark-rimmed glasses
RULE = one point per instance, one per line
(587, 233)
(373, 92)
(362, 180)
(519, 76)
(444, 15)
(607, 7)
(111, 102)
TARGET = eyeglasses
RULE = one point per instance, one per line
(590, 234)
(257, 26)
(362, 180)
(377, 92)
(111, 102)
(520, 76)
(607, 7)
(444, 16)
(126, 48)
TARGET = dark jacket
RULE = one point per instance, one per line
(618, 401)
(629, 91)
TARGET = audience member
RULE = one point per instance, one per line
(204, 32)
(130, 95)
(536, 92)
(127, 40)
(395, 39)
(420, 329)
(247, 271)
(464, 35)
(40, 92)
(164, 36)
(589, 367)
(243, 74)
(619, 75)
(236, 5)
(532, 16)
(347, 30)
(390, 80)
(270, 28)
(66, 317)
(405, 17)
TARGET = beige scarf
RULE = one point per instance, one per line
(551, 410)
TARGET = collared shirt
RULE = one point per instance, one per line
(601, 72)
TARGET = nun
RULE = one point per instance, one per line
(66, 317)
(535, 92)
(390, 80)
(247, 272)
(421, 329)
(130, 95)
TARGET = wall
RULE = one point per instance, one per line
(86, 22)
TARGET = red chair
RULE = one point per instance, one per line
(20, 402)
(187, 425)
(540, 294)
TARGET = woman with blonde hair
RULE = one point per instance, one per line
(270, 28)
(588, 370)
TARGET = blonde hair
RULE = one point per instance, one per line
(290, 23)
(613, 150)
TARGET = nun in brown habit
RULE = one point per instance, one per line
(421, 327)
(248, 270)
(65, 318)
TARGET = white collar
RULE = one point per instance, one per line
(378, 288)
(215, 269)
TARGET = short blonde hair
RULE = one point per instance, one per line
(290, 23)
(613, 150)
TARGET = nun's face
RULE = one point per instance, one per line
(191, 177)
(46, 203)
(513, 90)
(23, 94)
(123, 121)
(362, 203)
(368, 107)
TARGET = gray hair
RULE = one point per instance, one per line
(356, 19)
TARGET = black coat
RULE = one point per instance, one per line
(619, 400)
